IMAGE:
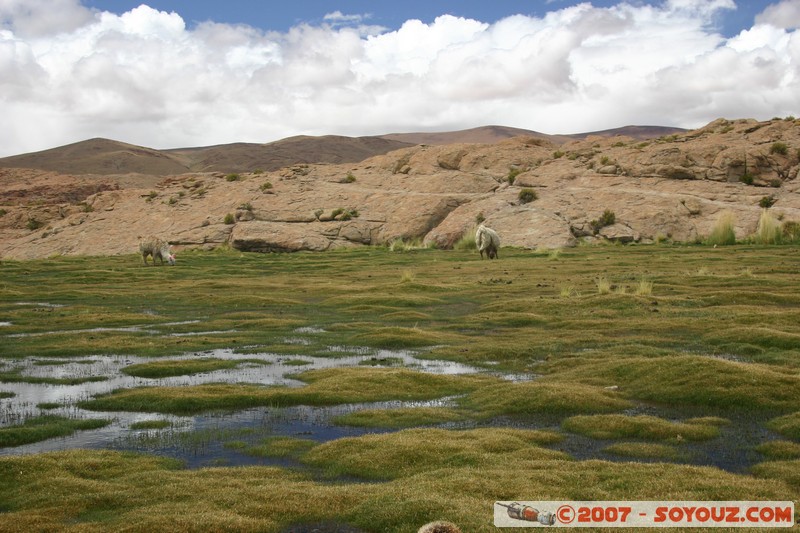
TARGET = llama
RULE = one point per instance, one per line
(155, 247)
(487, 241)
(439, 527)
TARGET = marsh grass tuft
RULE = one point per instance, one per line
(409, 245)
(722, 234)
(18, 377)
(435, 474)
(331, 386)
(297, 362)
(695, 380)
(45, 427)
(769, 229)
(603, 285)
(383, 361)
(151, 424)
(639, 427)
(407, 276)
(539, 397)
(398, 337)
(644, 288)
(788, 425)
(779, 449)
(412, 451)
(467, 240)
(568, 291)
(183, 367)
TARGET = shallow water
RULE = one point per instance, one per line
(200, 440)
(181, 439)
(733, 450)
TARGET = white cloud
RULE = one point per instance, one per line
(145, 78)
(785, 14)
(35, 18)
(338, 17)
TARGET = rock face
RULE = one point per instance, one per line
(617, 189)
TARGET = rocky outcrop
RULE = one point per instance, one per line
(673, 187)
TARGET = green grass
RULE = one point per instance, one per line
(45, 427)
(412, 451)
(639, 427)
(325, 387)
(723, 233)
(779, 449)
(183, 367)
(17, 377)
(717, 333)
(105, 490)
(769, 230)
(467, 240)
(788, 425)
(541, 397)
(297, 362)
(695, 381)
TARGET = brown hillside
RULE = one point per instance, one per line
(98, 156)
(493, 134)
(674, 187)
(484, 134)
(107, 157)
(636, 132)
(247, 157)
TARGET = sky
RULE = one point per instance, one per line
(181, 73)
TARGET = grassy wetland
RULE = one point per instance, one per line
(430, 384)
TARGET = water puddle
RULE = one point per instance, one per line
(199, 440)
(733, 450)
(205, 439)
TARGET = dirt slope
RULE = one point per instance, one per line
(672, 187)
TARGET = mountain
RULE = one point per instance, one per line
(109, 157)
(637, 132)
(98, 156)
(247, 157)
(492, 134)
(484, 134)
(535, 193)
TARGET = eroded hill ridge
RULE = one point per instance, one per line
(536, 192)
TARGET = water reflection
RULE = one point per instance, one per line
(202, 440)
(183, 435)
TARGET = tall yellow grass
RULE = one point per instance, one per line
(769, 231)
(722, 233)
(467, 240)
(603, 285)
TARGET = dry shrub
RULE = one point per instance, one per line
(722, 232)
